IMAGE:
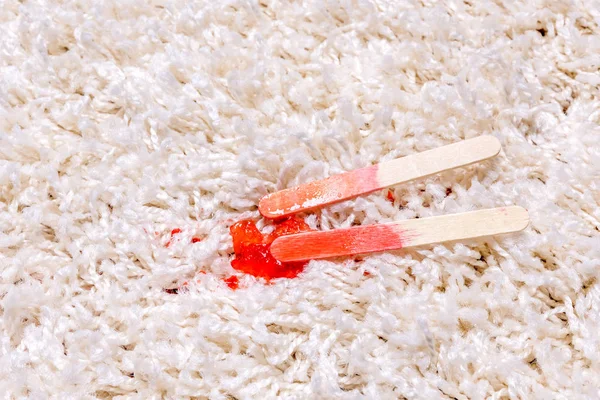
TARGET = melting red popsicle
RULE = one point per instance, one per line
(252, 249)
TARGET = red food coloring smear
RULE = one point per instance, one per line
(173, 233)
(390, 196)
(252, 249)
(196, 239)
(232, 282)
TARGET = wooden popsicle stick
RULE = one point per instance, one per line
(366, 180)
(399, 235)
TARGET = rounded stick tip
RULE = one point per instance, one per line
(491, 144)
(519, 216)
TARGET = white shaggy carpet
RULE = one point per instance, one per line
(121, 119)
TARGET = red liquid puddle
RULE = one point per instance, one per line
(252, 249)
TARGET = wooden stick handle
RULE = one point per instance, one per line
(437, 160)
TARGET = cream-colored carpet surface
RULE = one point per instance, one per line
(121, 121)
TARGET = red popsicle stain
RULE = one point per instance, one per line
(390, 196)
(232, 282)
(252, 249)
(173, 233)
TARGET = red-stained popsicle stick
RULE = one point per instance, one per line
(366, 180)
(398, 235)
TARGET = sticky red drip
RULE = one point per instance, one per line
(252, 249)
(173, 233)
(390, 196)
(232, 282)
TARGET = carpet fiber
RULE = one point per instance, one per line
(123, 121)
